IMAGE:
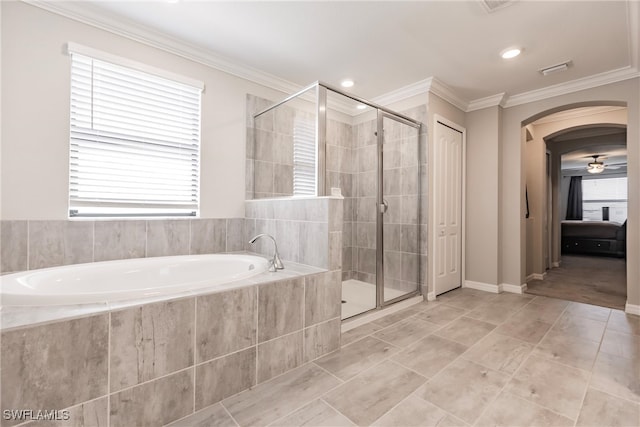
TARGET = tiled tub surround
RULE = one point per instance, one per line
(155, 363)
(308, 230)
(28, 245)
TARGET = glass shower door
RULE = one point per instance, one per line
(398, 208)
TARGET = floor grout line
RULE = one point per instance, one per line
(502, 389)
(335, 409)
(229, 413)
(586, 390)
(322, 396)
(330, 373)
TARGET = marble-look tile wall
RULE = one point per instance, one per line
(307, 230)
(352, 166)
(269, 152)
(27, 245)
(341, 169)
(159, 362)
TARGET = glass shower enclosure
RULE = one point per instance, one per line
(322, 139)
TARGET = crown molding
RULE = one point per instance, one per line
(489, 101)
(83, 12)
(447, 93)
(86, 14)
(430, 84)
(572, 86)
(417, 88)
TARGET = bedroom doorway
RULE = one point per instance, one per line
(576, 179)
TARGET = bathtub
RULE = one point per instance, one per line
(140, 278)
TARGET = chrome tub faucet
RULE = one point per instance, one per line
(275, 263)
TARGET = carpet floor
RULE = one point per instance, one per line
(588, 279)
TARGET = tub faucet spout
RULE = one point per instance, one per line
(275, 263)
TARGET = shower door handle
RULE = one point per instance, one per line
(384, 206)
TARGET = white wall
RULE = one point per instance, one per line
(512, 262)
(35, 114)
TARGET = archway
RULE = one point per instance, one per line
(547, 137)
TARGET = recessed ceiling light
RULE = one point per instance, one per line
(361, 107)
(347, 83)
(511, 52)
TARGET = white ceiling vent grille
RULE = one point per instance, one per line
(493, 5)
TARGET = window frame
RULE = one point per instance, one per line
(182, 150)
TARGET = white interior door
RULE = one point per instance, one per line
(447, 165)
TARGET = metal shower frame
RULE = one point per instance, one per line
(382, 112)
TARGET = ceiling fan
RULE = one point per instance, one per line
(598, 167)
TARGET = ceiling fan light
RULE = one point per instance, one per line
(595, 167)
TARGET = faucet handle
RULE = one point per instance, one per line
(277, 262)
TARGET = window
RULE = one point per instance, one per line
(134, 141)
(604, 192)
(304, 157)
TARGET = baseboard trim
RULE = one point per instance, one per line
(556, 264)
(487, 287)
(632, 309)
(514, 289)
(495, 289)
(536, 276)
(431, 296)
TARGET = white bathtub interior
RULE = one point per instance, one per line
(124, 279)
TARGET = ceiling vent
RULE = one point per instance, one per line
(564, 66)
(493, 5)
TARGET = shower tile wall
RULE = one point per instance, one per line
(400, 188)
(352, 166)
(340, 173)
(364, 205)
(269, 149)
(419, 113)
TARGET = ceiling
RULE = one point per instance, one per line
(387, 45)
(606, 141)
(613, 156)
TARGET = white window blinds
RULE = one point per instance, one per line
(135, 142)
(304, 157)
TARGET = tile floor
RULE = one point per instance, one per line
(470, 358)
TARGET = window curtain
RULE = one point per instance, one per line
(574, 204)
